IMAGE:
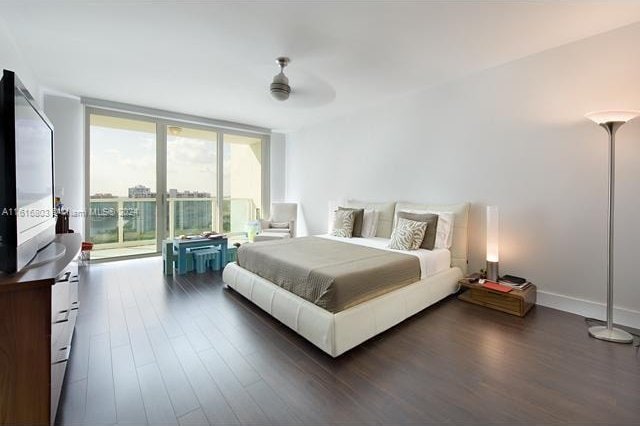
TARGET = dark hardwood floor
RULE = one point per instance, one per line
(150, 349)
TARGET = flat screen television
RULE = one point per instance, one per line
(27, 216)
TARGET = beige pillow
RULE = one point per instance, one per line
(357, 220)
(369, 223)
(343, 223)
(407, 235)
(429, 240)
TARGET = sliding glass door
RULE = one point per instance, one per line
(151, 179)
(122, 186)
(242, 181)
(192, 181)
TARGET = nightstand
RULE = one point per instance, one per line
(516, 302)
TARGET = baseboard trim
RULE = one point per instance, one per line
(588, 308)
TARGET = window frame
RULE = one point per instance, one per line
(162, 120)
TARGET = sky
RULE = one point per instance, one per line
(121, 159)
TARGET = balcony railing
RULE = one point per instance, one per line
(127, 223)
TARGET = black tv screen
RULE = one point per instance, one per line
(26, 157)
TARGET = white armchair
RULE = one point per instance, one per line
(281, 224)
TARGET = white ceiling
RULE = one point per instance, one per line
(217, 59)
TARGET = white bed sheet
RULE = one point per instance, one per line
(431, 261)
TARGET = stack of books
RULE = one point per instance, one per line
(515, 282)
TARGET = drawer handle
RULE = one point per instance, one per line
(67, 350)
(65, 277)
(66, 316)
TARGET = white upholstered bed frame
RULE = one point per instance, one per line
(339, 332)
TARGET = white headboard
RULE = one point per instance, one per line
(460, 246)
(385, 210)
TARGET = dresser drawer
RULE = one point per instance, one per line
(61, 335)
(500, 301)
(60, 301)
(515, 302)
(57, 378)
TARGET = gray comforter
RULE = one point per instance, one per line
(331, 274)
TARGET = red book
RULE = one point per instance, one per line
(497, 287)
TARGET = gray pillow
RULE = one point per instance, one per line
(343, 223)
(429, 240)
(358, 218)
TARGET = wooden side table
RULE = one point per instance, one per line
(515, 302)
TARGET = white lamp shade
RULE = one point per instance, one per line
(493, 233)
(602, 117)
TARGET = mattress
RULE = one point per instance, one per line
(332, 274)
(431, 261)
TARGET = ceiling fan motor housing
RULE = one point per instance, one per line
(280, 88)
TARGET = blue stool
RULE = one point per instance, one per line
(206, 258)
(190, 260)
(169, 257)
(232, 254)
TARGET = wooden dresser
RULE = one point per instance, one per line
(38, 309)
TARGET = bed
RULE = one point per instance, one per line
(338, 323)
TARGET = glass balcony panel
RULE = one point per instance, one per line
(104, 222)
(139, 218)
(122, 182)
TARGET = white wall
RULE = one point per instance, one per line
(513, 136)
(66, 114)
(11, 59)
(277, 167)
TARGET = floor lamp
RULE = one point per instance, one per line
(611, 122)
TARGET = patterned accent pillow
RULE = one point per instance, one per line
(407, 235)
(432, 222)
(343, 223)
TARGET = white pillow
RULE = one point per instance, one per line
(444, 230)
(370, 223)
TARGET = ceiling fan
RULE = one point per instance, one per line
(280, 88)
(310, 90)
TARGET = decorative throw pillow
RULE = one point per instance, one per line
(407, 235)
(444, 230)
(370, 223)
(357, 220)
(431, 219)
(343, 223)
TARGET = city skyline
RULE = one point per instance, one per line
(143, 191)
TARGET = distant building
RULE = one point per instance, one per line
(103, 195)
(174, 193)
(141, 191)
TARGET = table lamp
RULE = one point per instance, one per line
(493, 236)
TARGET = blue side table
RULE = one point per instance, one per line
(182, 246)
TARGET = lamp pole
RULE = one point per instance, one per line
(608, 332)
